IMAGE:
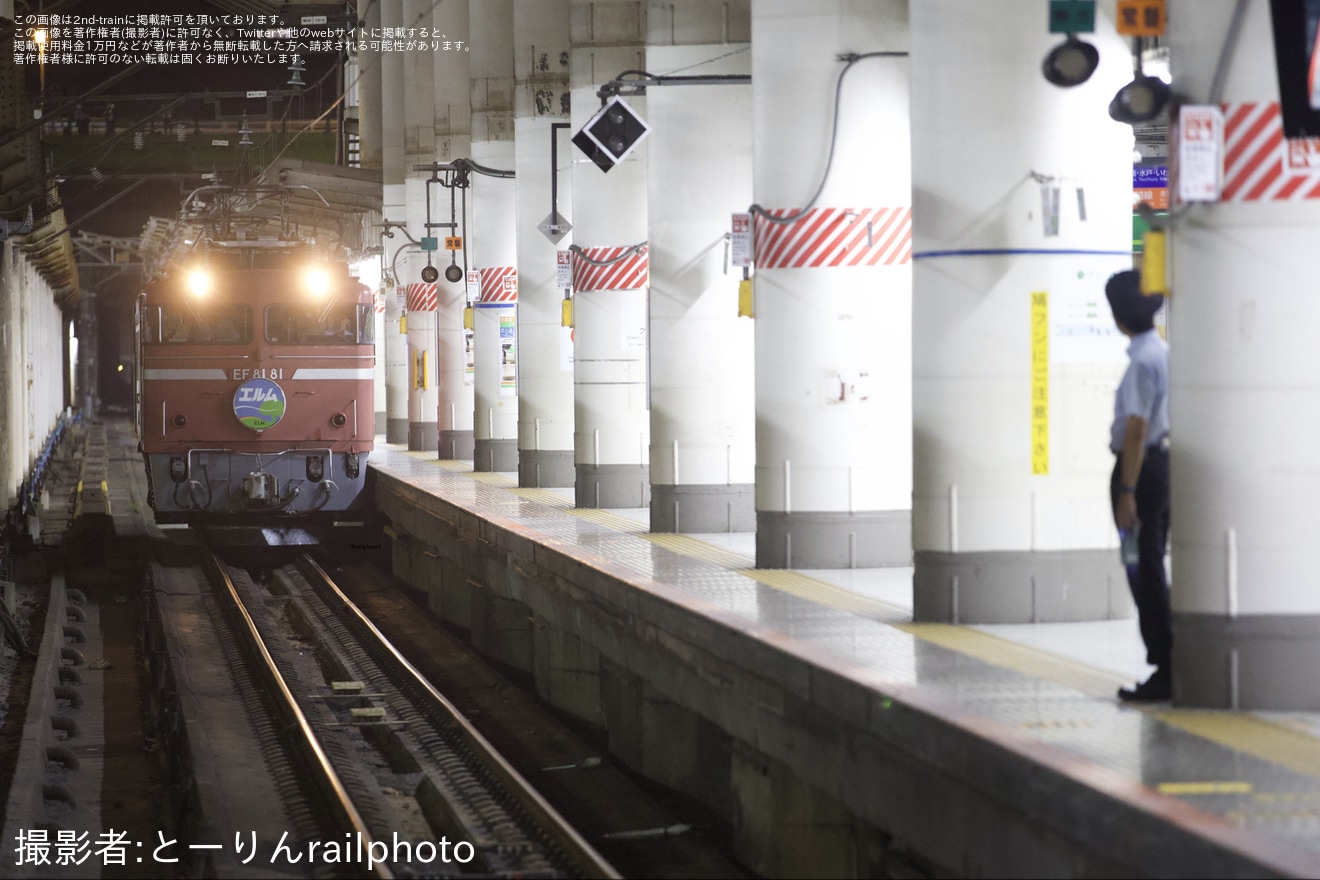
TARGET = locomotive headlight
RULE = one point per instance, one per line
(199, 282)
(317, 281)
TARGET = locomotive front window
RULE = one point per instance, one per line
(297, 324)
(219, 324)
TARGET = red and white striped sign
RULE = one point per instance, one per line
(611, 268)
(499, 284)
(379, 300)
(423, 297)
(1260, 164)
(830, 237)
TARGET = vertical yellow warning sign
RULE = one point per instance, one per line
(1040, 382)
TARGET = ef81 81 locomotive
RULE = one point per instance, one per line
(254, 387)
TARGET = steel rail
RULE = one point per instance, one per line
(329, 780)
(581, 854)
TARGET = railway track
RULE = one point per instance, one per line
(407, 785)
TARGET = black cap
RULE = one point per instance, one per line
(1131, 309)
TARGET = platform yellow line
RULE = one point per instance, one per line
(814, 590)
(607, 519)
(1249, 734)
(542, 496)
(1205, 787)
(1255, 736)
(1005, 654)
(493, 479)
(699, 549)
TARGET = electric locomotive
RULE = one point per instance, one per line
(254, 386)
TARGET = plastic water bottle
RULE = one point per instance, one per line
(1127, 545)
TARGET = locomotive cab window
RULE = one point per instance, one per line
(223, 324)
(297, 324)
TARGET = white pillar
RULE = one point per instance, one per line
(1006, 530)
(494, 245)
(392, 341)
(611, 425)
(1245, 393)
(703, 440)
(833, 390)
(424, 110)
(422, 304)
(453, 140)
(545, 348)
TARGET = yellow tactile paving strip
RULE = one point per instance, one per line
(813, 589)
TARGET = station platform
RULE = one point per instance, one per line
(835, 734)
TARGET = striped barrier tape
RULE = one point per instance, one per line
(1260, 164)
(423, 297)
(832, 237)
(611, 268)
(499, 284)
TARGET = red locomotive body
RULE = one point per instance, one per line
(255, 388)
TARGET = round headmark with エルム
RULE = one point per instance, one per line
(259, 404)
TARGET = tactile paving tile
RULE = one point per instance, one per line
(1067, 709)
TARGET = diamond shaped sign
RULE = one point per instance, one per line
(555, 227)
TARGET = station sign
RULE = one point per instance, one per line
(563, 269)
(1200, 152)
(1141, 18)
(1072, 16)
(740, 240)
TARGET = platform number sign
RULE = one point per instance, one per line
(1141, 18)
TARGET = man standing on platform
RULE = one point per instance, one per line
(1139, 488)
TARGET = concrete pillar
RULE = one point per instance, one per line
(833, 288)
(1011, 519)
(545, 348)
(370, 155)
(453, 140)
(611, 425)
(392, 340)
(423, 300)
(1244, 395)
(370, 102)
(423, 104)
(703, 441)
(494, 242)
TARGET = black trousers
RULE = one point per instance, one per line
(1150, 588)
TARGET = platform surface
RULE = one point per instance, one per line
(1254, 777)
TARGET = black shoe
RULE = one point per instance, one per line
(1156, 689)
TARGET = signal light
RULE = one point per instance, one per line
(1070, 63)
(612, 134)
(1140, 100)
